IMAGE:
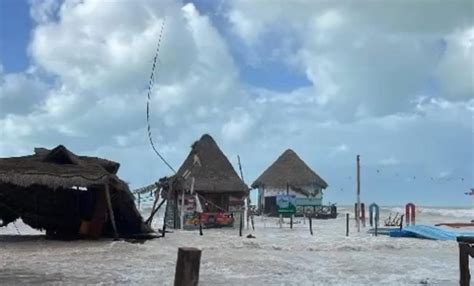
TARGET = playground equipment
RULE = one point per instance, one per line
(410, 214)
(360, 213)
(374, 211)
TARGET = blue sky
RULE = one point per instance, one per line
(328, 79)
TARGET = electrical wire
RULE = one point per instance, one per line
(150, 87)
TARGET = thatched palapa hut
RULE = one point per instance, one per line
(208, 173)
(67, 195)
(289, 174)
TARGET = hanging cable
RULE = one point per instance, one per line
(150, 87)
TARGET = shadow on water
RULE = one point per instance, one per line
(22, 238)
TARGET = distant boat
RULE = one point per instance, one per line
(471, 193)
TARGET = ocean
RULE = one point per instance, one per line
(277, 256)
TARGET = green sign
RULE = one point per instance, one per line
(286, 204)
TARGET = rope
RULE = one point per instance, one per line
(150, 86)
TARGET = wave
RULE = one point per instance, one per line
(445, 212)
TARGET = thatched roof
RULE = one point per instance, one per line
(39, 189)
(289, 169)
(212, 171)
(57, 168)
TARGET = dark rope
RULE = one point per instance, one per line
(150, 86)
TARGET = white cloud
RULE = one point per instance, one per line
(370, 87)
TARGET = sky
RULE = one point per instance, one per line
(392, 81)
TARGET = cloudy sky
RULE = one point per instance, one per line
(392, 81)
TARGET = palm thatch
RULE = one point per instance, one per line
(56, 189)
(212, 171)
(289, 170)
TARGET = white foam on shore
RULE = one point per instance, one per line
(277, 256)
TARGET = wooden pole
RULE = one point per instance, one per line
(181, 213)
(310, 225)
(358, 194)
(170, 194)
(291, 221)
(200, 225)
(241, 223)
(246, 212)
(347, 224)
(187, 267)
(376, 226)
(139, 200)
(464, 273)
(111, 210)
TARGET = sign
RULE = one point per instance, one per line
(286, 204)
(308, 201)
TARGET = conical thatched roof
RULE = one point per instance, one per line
(211, 169)
(289, 169)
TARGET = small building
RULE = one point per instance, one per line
(68, 195)
(208, 176)
(288, 175)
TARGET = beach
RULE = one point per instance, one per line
(277, 256)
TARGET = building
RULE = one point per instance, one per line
(68, 196)
(208, 176)
(288, 175)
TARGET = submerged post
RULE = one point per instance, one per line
(310, 225)
(187, 267)
(291, 221)
(347, 224)
(358, 194)
(241, 224)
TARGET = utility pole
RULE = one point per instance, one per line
(358, 195)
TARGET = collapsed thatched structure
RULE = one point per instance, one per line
(207, 172)
(67, 195)
(289, 174)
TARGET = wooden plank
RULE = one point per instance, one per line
(466, 239)
(187, 267)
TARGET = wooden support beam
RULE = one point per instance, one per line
(187, 267)
(111, 211)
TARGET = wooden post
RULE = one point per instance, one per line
(111, 210)
(347, 224)
(464, 274)
(139, 200)
(181, 213)
(358, 193)
(241, 223)
(310, 225)
(291, 221)
(187, 267)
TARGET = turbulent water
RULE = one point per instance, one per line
(277, 256)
